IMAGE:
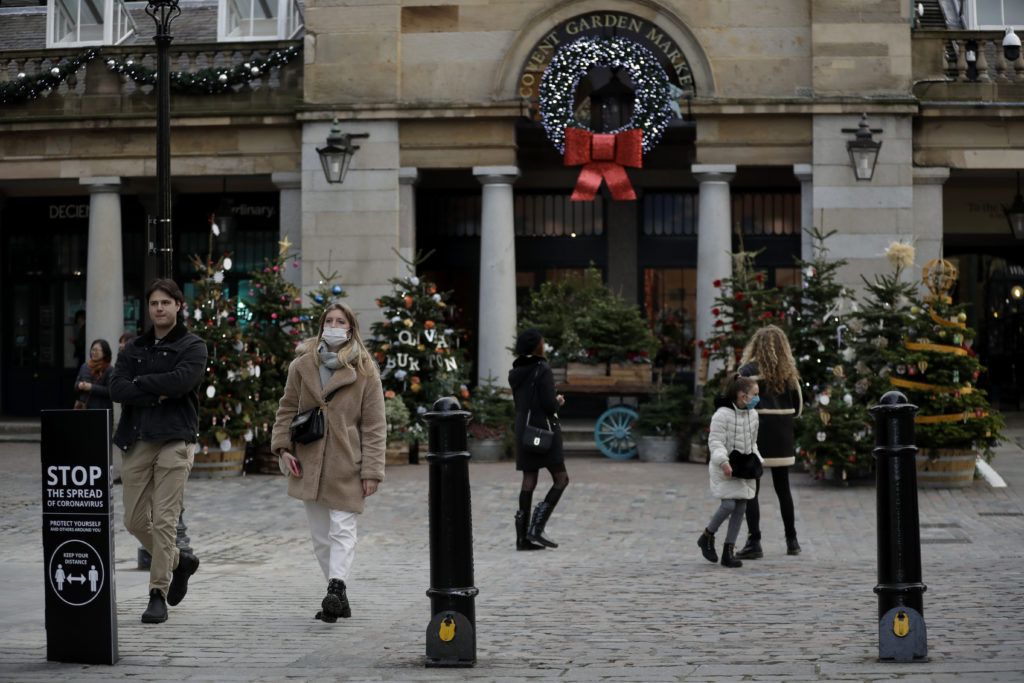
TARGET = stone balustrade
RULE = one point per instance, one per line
(97, 89)
(942, 56)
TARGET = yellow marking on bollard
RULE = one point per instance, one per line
(447, 630)
(900, 624)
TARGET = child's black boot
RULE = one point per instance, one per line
(707, 546)
(728, 557)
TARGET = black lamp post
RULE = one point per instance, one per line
(1015, 213)
(863, 149)
(336, 157)
(163, 13)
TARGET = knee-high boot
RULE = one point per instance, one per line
(535, 532)
(522, 525)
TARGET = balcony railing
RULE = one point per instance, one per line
(97, 90)
(941, 70)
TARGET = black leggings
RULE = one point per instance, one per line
(780, 480)
(559, 480)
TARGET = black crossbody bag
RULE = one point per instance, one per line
(308, 426)
(537, 439)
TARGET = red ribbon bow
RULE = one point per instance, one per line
(603, 157)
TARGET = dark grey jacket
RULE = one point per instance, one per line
(145, 371)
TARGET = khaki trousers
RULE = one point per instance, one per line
(153, 477)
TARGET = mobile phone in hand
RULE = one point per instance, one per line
(295, 466)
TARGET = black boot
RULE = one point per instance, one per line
(707, 546)
(522, 524)
(728, 557)
(792, 547)
(335, 603)
(187, 566)
(156, 612)
(752, 550)
(535, 533)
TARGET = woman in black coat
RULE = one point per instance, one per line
(533, 390)
(93, 381)
(769, 360)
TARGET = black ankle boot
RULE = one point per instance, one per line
(522, 524)
(728, 557)
(707, 546)
(792, 547)
(156, 611)
(752, 550)
(535, 533)
(335, 603)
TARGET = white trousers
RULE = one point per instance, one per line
(334, 539)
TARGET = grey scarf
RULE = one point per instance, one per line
(331, 361)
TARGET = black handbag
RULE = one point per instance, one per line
(537, 439)
(308, 426)
(745, 465)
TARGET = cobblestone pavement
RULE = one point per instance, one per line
(627, 596)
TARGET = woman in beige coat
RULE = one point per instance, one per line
(335, 474)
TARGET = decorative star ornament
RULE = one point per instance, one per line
(285, 245)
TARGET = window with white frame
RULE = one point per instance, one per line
(87, 22)
(259, 19)
(993, 14)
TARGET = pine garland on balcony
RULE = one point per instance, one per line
(209, 80)
(206, 81)
(29, 87)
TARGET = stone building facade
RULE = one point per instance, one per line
(456, 164)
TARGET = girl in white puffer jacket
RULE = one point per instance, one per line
(733, 428)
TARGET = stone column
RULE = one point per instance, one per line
(928, 183)
(497, 309)
(407, 178)
(290, 217)
(104, 283)
(805, 174)
(714, 239)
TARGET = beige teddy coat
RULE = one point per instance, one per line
(354, 440)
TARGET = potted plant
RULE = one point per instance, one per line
(662, 423)
(490, 426)
(398, 435)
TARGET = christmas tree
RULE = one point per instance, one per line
(879, 324)
(227, 400)
(326, 293)
(833, 434)
(742, 306)
(937, 370)
(276, 321)
(418, 346)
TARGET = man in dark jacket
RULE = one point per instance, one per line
(156, 379)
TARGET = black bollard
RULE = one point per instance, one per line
(451, 633)
(902, 636)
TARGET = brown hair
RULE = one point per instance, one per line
(769, 350)
(166, 284)
(737, 384)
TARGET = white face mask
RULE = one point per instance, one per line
(335, 336)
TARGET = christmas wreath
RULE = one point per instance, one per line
(558, 85)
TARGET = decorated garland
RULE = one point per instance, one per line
(31, 87)
(207, 81)
(558, 85)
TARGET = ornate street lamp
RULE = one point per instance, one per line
(163, 13)
(336, 157)
(1015, 213)
(863, 149)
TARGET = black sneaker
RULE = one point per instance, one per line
(187, 566)
(156, 612)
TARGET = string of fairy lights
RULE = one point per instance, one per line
(651, 110)
(213, 80)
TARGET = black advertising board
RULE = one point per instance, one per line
(78, 537)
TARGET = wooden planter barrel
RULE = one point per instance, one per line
(397, 453)
(215, 463)
(948, 468)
